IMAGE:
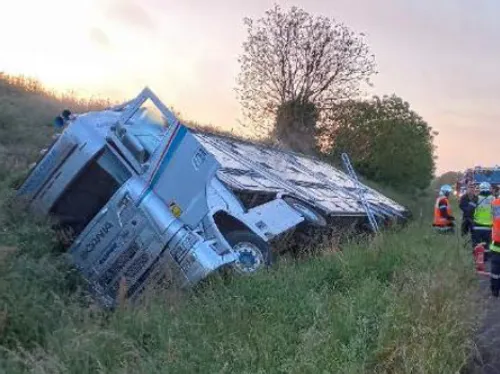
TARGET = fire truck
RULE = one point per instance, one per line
(477, 175)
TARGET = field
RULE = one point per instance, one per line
(402, 302)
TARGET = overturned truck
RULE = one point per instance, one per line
(149, 202)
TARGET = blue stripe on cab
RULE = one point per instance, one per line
(181, 133)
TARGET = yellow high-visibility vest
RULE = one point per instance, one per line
(483, 215)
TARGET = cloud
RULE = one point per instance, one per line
(99, 38)
(130, 13)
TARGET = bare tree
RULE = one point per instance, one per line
(294, 57)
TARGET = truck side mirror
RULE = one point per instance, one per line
(66, 114)
(135, 147)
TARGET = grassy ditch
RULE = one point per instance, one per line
(401, 303)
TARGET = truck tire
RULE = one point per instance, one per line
(254, 252)
(311, 215)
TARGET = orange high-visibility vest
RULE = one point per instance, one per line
(495, 230)
(439, 220)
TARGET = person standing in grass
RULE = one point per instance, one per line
(467, 205)
(495, 248)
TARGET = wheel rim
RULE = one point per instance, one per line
(250, 258)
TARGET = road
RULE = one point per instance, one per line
(487, 356)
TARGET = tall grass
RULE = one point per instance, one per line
(401, 303)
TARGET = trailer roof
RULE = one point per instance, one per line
(247, 166)
(253, 167)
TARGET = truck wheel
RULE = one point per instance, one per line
(254, 253)
(310, 214)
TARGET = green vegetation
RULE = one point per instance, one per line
(388, 142)
(450, 177)
(400, 303)
(294, 67)
(300, 80)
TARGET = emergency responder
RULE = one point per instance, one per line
(483, 218)
(495, 248)
(468, 203)
(444, 221)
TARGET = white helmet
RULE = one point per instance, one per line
(484, 187)
(445, 189)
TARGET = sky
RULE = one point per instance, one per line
(440, 56)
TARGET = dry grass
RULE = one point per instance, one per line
(27, 110)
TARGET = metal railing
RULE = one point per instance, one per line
(360, 190)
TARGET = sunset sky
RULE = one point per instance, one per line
(442, 56)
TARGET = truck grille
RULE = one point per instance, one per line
(120, 262)
(137, 266)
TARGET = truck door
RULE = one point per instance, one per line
(178, 167)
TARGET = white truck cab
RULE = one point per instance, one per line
(141, 197)
(148, 201)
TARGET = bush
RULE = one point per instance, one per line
(386, 140)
